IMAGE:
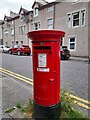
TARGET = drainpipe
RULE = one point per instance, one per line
(14, 32)
(54, 17)
(27, 32)
(2, 34)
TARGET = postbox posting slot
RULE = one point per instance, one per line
(42, 48)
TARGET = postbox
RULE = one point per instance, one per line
(46, 72)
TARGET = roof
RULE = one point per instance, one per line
(7, 18)
(24, 11)
(39, 3)
(47, 5)
(1, 22)
(42, 6)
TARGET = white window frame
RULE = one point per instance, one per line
(12, 43)
(76, 1)
(82, 17)
(6, 32)
(21, 42)
(63, 40)
(12, 31)
(12, 22)
(69, 21)
(49, 24)
(36, 12)
(72, 42)
(22, 16)
(50, 8)
(22, 30)
(6, 43)
(75, 19)
(38, 25)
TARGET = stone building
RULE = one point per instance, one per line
(69, 16)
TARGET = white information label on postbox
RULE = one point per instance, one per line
(43, 69)
(42, 60)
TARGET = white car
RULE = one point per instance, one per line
(1, 48)
(4, 48)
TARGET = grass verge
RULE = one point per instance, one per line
(68, 110)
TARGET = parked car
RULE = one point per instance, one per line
(1, 48)
(23, 49)
(65, 53)
(4, 48)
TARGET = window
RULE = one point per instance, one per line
(22, 17)
(76, 17)
(16, 42)
(12, 31)
(22, 30)
(62, 41)
(1, 41)
(50, 23)
(15, 46)
(76, 1)
(82, 17)
(21, 42)
(35, 12)
(6, 33)
(69, 20)
(6, 43)
(36, 25)
(12, 22)
(72, 43)
(12, 43)
(50, 9)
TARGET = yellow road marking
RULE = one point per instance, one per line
(77, 98)
(81, 104)
(16, 74)
(29, 82)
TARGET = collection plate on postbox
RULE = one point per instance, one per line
(42, 63)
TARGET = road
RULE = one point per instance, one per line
(74, 74)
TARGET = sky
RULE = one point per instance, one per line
(14, 5)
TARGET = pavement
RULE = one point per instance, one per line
(12, 92)
(16, 113)
(79, 58)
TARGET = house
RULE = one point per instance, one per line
(16, 27)
(71, 16)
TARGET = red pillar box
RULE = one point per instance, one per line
(46, 72)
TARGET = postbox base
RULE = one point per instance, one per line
(49, 113)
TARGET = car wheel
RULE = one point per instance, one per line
(19, 53)
(10, 52)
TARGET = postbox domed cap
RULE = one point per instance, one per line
(45, 35)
